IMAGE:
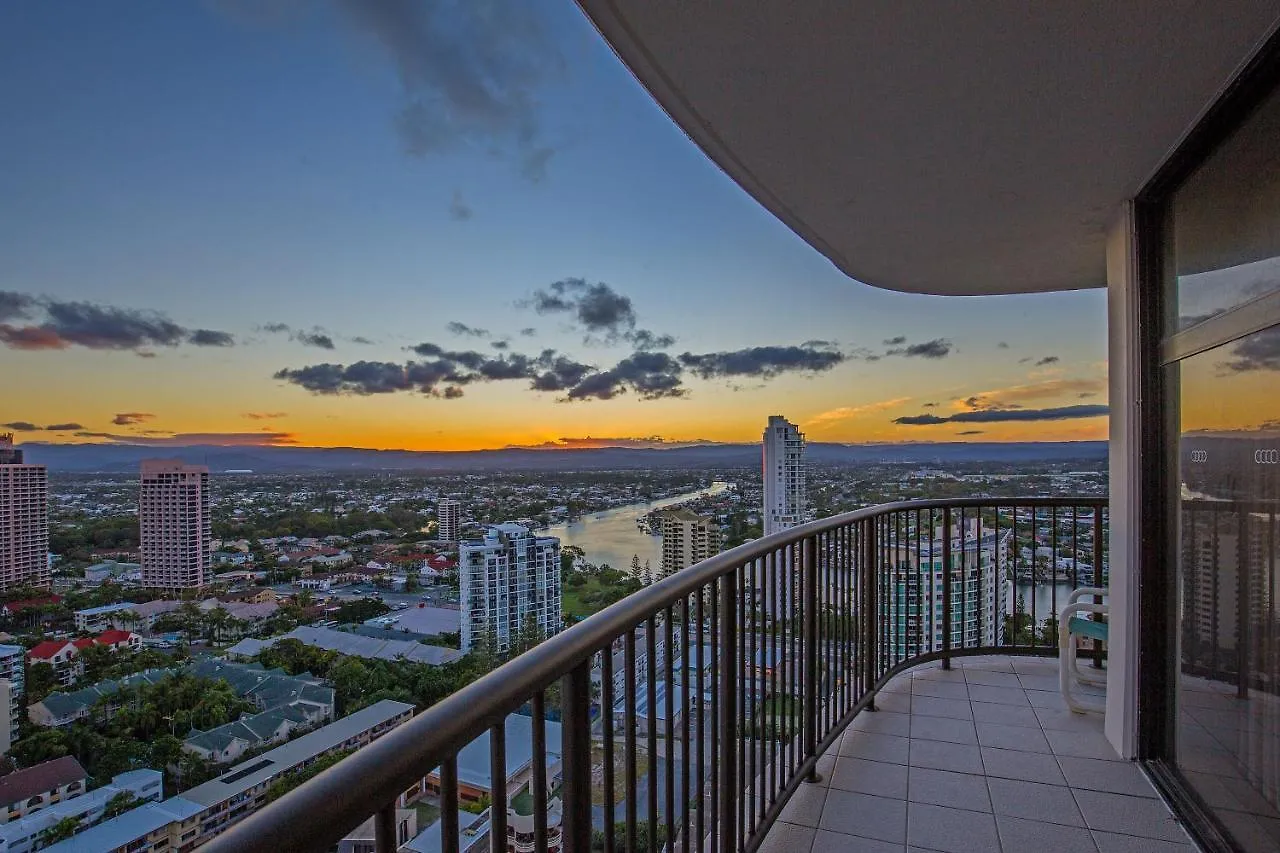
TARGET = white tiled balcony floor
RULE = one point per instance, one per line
(982, 757)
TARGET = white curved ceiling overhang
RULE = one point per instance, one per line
(939, 147)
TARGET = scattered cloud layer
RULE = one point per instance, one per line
(456, 328)
(27, 426)
(223, 439)
(265, 416)
(937, 348)
(987, 416)
(45, 324)
(1257, 352)
(317, 337)
(648, 442)
(844, 413)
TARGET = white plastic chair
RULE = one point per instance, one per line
(1070, 624)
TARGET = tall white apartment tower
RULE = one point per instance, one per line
(24, 519)
(175, 524)
(507, 577)
(687, 538)
(785, 493)
(449, 516)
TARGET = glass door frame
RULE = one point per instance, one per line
(1158, 663)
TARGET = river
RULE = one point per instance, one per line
(612, 537)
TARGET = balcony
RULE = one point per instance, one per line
(768, 700)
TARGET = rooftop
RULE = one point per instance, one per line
(24, 784)
(128, 827)
(282, 758)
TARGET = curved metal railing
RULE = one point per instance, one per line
(692, 710)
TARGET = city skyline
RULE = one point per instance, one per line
(345, 242)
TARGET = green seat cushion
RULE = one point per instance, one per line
(1087, 628)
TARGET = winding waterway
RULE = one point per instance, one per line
(612, 536)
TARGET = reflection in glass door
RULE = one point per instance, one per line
(1222, 378)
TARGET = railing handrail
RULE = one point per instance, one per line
(322, 810)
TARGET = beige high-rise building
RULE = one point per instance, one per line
(24, 519)
(175, 524)
(687, 538)
(449, 517)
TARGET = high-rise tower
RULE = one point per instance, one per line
(24, 519)
(785, 493)
(509, 580)
(687, 538)
(449, 518)
(175, 523)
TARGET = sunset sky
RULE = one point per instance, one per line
(366, 224)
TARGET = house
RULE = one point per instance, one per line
(110, 570)
(25, 791)
(62, 709)
(149, 611)
(117, 640)
(255, 731)
(62, 655)
(256, 595)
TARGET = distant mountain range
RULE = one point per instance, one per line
(121, 458)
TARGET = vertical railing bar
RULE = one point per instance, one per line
(1097, 579)
(449, 805)
(651, 733)
(771, 566)
(629, 734)
(717, 709)
(1242, 605)
(384, 829)
(752, 621)
(609, 748)
(946, 587)
(1034, 512)
(728, 792)
(701, 723)
(809, 702)
(498, 783)
(669, 730)
(538, 769)
(575, 758)
(1053, 572)
(740, 590)
(684, 725)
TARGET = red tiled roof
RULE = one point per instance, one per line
(47, 649)
(111, 638)
(24, 784)
(82, 643)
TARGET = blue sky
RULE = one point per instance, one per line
(357, 174)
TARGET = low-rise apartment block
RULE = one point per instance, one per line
(26, 791)
(13, 670)
(27, 834)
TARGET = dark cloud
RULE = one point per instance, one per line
(275, 328)
(59, 325)
(763, 362)
(559, 373)
(643, 339)
(365, 377)
(1048, 359)
(452, 392)
(128, 418)
(360, 340)
(1002, 345)
(1060, 413)
(182, 439)
(937, 348)
(528, 331)
(20, 426)
(972, 432)
(64, 427)
(15, 306)
(895, 342)
(471, 74)
(596, 306)
(931, 405)
(314, 339)
(651, 375)
(500, 344)
(211, 338)
(459, 210)
(265, 416)
(1257, 352)
(456, 328)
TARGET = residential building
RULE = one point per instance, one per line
(363, 838)
(785, 491)
(14, 671)
(25, 834)
(981, 588)
(353, 645)
(254, 731)
(24, 519)
(8, 713)
(111, 570)
(60, 709)
(28, 605)
(25, 791)
(175, 524)
(475, 768)
(510, 580)
(687, 538)
(62, 655)
(119, 615)
(449, 518)
(189, 820)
